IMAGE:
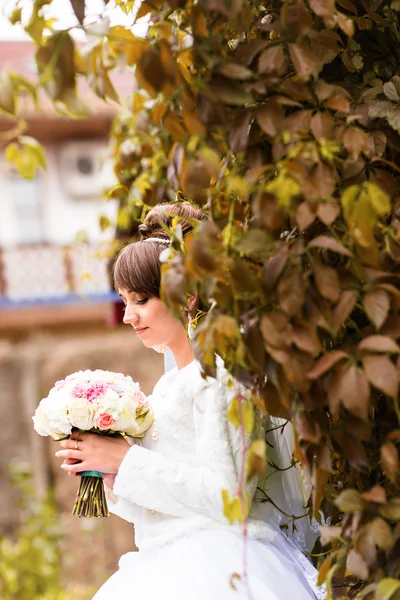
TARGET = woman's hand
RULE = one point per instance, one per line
(93, 452)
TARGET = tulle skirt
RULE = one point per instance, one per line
(209, 565)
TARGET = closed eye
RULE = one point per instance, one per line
(141, 302)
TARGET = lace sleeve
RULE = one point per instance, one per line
(153, 481)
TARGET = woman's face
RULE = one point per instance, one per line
(151, 320)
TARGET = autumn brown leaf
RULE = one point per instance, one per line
(379, 343)
(326, 280)
(382, 374)
(291, 291)
(329, 243)
(328, 212)
(390, 460)
(305, 62)
(376, 494)
(343, 308)
(377, 304)
(326, 363)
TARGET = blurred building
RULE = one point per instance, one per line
(41, 262)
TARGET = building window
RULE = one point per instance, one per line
(27, 209)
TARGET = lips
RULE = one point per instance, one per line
(140, 330)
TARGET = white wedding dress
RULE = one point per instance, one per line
(169, 485)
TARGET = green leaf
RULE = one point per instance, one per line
(24, 85)
(27, 155)
(7, 94)
(15, 16)
(104, 222)
(387, 587)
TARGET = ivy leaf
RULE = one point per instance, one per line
(232, 70)
(326, 363)
(291, 291)
(391, 89)
(329, 243)
(27, 155)
(327, 280)
(387, 587)
(390, 461)
(305, 62)
(256, 459)
(377, 305)
(7, 94)
(354, 392)
(379, 343)
(376, 494)
(343, 309)
(234, 509)
(273, 61)
(356, 565)
(349, 501)
(382, 374)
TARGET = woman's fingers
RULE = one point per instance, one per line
(71, 453)
(71, 443)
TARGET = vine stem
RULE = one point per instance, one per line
(245, 448)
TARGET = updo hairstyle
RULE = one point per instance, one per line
(137, 267)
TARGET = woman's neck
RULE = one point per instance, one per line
(183, 353)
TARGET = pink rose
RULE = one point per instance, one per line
(140, 398)
(103, 421)
(79, 391)
(95, 390)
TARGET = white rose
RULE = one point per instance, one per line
(51, 418)
(139, 427)
(40, 421)
(110, 403)
(127, 416)
(80, 413)
(56, 411)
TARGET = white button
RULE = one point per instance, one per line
(163, 394)
(154, 436)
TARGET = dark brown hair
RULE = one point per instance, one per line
(137, 267)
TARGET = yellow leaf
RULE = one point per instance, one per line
(234, 509)
(233, 412)
(134, 50)
(174, 127)
(256, 459)
(285, 189)
(387, 587)
(192, 123)
(323, 570)
(248, 415)
(158, 113)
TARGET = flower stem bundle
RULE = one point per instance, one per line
(100, 402)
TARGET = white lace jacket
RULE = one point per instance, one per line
(171, 481)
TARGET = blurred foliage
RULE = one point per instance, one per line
(283, 120)
(31, 562)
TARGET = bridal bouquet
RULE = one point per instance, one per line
(99, 401)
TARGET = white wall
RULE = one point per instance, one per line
(63, 216)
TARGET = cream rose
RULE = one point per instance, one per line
(80, 413)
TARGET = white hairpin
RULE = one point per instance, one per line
(156, 239)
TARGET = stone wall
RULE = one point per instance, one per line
(28, 369)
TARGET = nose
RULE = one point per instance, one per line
(130, 315)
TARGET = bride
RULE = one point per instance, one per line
(170, 483)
